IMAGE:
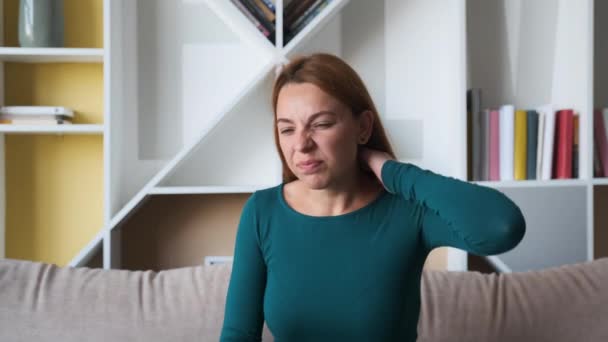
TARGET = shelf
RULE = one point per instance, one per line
(51, 55)
(532, 183)
(169, 232)
(316, 24)
(498, 264)
(238, 23)
(201, 190)
(59, 129)
(226, 155)
(600, 181)
(556, 228)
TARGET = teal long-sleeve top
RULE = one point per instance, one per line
(356, 276)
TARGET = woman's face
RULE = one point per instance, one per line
(317, 135)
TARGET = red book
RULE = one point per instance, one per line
(563, 163)
(494, 145)
(600, 140)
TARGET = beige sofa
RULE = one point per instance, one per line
(42, 302)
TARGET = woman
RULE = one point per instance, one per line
(335, 252)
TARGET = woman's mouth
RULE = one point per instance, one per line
(310, 166)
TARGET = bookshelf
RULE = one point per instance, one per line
(51, 55)
(599, 185)
(51, 188)
(546, 52)
(187, 125)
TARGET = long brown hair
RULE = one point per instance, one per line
(335, 77)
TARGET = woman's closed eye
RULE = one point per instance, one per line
(286, 130)
(320, 125)
(324, 124)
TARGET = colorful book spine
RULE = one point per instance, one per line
(476, 126)
(548, 141)
(259, 15)
(270, 5)
(575, 143)
(540, 142)
(563, 163)
(485, 145)
(309, 17)
(600, 140)
(251, 18)
(494, 145)
(507, 113)
(520, 147)
(532, 140)
(305, 15)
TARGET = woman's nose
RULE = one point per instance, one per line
(304, 141)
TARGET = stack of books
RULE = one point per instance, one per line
(36, 115)
(261, 13)
(600, 148)
(506, 143)
(298, 13)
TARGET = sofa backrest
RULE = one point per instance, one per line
(566, 303)
(43, 302)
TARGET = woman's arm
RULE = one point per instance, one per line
(244, 315)
(455, 213)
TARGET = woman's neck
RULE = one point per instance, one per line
(351, 193)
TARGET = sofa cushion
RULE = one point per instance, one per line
(43, 302)
(566, 303)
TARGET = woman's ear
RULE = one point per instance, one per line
(366, 122)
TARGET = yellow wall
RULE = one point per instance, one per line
(54, 184)
(83, 23)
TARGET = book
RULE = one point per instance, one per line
(34, 117)
(268, 13)
(605, 121)
(9, 112)
(294, 10)
(520, 147)
(259, 15)
(548, 141)
(597, 165)
(540, 142)
(307, 18)
(37, 122)
(563, 155)
(270, 5)
(507, 113)
(251, 18)
(575, 124)
(302, 17)
(599, 135)
(474, 99)
(494, 145)
(532, 140)
(485, 145)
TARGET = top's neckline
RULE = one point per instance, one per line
(329, 217)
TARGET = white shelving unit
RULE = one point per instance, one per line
(62, 129)
(51, 55)
(530, 53)
(189, 83)
(40, 55)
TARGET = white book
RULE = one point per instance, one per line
(539, 146)
(547, 164)
(506, 141)
(40, 122)
(41, 111)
